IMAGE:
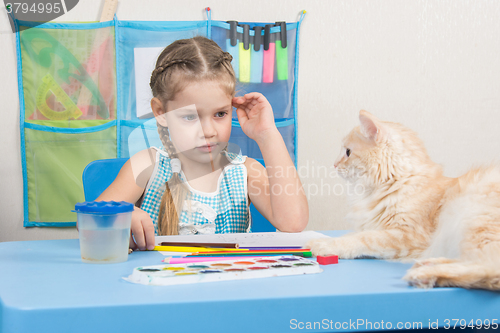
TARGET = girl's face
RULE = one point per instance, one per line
(199, 120)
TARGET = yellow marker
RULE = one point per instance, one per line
(193, 249)
(49, 84)
(244, 64)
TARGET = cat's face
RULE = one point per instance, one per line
(376, 151)
(357, 154)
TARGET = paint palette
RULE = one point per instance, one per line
(171, 274)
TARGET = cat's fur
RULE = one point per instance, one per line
(409, 210)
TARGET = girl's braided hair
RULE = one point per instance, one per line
(183, 62)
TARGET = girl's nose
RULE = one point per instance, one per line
(208, 129)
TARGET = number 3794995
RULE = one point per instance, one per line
(478, 323)
(41, 7)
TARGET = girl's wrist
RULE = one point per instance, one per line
(268, 136)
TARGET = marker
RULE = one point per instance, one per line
(232, 45)
(269, 50)
(245, 54)
(256, 56)
(282, 52)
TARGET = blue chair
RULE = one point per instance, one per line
(99, 174)
(259, 222)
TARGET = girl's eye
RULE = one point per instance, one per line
(220, 114)
(348, 152)
(190, 117)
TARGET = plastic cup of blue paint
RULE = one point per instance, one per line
(104, 230)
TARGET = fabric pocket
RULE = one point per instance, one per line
(68, 74)
(54, 166)
(270, 72)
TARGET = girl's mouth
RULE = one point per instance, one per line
(207, 148)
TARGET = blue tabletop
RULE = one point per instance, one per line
(45, 287)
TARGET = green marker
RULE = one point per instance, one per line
(282, 52)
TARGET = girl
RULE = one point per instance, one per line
(195, 184)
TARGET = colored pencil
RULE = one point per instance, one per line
(207, 255)
(195, 244)
(193, 249)
(187, 260)
(271, 247)
(306, 254)
(267, 251)
(303, 254)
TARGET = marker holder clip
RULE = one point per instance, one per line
(232, 46)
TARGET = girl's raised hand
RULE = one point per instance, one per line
(255, 115)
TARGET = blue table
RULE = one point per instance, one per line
(44, 287)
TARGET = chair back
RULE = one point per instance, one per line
(99, 174)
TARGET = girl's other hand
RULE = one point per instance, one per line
(143, 231)
(255, 115)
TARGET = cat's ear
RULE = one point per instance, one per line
(371, 127)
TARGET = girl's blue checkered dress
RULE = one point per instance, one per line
(223, 211)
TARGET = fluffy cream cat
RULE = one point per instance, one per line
(409, 210)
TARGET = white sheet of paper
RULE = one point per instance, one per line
(144, 64)
(254, 239)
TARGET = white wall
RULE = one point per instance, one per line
(432, 65)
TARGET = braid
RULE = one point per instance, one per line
(225, 56)
(165, 140)
(160, 69)
(175, 193)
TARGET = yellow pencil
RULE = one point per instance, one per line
(192, 249)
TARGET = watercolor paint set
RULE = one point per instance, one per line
(240, 269)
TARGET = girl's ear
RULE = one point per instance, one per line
(371, 127)
(159, 111)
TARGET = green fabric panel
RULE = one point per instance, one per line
(55, 163)
(68, 74)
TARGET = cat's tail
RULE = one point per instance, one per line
(441, 272)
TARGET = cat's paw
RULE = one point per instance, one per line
(322, 246)
(421, 277)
